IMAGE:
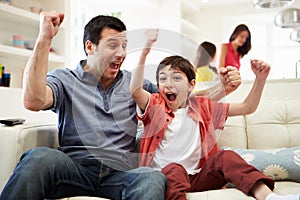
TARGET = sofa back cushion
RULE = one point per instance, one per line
(275, 124)
(11, 106)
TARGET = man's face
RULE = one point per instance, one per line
(174, 86)
(106, 58)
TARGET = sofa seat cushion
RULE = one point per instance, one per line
(17, 139)
(224, 194)
(232, 193)
(83, 198)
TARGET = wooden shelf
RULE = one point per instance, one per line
(17, 19)
(19, 15)
(14, 14)
(23, 54)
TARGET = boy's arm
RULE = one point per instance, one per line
(261, 70)
(230, 80)
(141, 96)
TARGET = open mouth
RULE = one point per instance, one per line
(171, 96)
(114, 66)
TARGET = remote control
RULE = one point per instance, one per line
(12, 122)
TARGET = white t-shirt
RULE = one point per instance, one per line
(181, 144)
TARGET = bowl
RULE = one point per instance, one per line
(35, 9)
(29, 44)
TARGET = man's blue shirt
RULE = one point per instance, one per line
(93, 122)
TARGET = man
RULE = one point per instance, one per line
(97, 124)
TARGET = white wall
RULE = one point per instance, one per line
(137, 15)
(216, 23)
(211, 19)
(134, 13)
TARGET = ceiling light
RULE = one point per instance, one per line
(288, 18)
(272, 3)
(295, 35)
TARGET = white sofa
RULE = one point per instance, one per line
(39, 129)
(275, 124)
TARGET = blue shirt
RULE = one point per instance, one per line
(93, 122)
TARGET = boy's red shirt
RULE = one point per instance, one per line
(210, 115)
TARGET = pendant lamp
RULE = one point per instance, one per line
(272, 3)
(295, 35)
(288, 18)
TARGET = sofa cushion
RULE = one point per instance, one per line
(279, 164)
(275, 124)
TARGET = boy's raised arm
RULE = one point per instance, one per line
(140, 95)
(261, 69)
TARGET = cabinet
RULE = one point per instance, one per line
(17, 19)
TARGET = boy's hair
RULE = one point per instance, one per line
(94, 28)
(243, 50)
(179, 63)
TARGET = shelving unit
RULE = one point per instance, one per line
(17, 19)
(9, 51)
(17, 14)
(188, 27)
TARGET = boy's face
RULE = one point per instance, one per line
(174, 86)
(107, 57)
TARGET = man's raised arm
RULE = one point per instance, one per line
(36, 94)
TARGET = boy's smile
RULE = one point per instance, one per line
(171, 96)
(174, 87)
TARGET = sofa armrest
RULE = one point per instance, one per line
(17, 139)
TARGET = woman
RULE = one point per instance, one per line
(238, 46)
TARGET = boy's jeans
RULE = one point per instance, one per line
(48, 173)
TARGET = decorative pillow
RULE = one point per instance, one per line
(278, 164)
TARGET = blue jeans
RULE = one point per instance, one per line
(47, 173)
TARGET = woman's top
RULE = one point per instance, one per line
(232, 58)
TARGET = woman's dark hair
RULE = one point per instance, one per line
(177, 62)
(243, 50)
(205, 53)
(94, 28)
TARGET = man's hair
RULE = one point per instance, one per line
(94, 28)
(179, 63)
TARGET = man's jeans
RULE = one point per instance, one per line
(48, 173)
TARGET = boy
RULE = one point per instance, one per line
(179, 131)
